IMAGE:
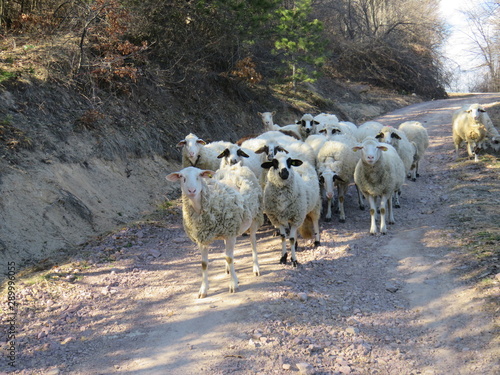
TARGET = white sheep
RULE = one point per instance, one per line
(325, 119)
(292, 201)
(335, 164)
(472, 124)
(416, 133)
(379, 173)
(405, 149)
(234, 154)
(368, 129)
(220, 208)
(197, 153)
(267, 120)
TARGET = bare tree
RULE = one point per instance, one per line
(484, 26)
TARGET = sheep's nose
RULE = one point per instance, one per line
(284, 173)
(308, 130)
(329, 195)
(191, 191)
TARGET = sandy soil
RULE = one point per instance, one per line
(358, 304)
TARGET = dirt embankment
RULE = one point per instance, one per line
(422, 299)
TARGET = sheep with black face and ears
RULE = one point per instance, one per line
(473, 125)
(234, 154)
(379, 173)
(292, 201)
(417, 134)
(307, 125)
(220, 208)
(200, 154)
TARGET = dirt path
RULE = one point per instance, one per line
(358, 304)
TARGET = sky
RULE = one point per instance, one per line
(457, 44)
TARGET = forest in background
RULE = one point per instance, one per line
(110, 44)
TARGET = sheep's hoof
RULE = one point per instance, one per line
(317, 243)
(202, 295)
(328, 219)
(414, 179)
(362, 208)
(283, 259)
(341, 220)
(295, 263)
(418, 174)
(397, 206)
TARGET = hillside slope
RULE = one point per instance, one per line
(73, 167)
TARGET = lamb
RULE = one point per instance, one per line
(473, 125)
(379, 173)
(220, 208)
(197, 153)
(292, 201)
(336, 163)
(417, 134)
(405, 149)
(369, 128)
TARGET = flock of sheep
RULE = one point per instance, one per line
(288, 173)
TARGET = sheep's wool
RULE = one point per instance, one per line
(221, 214)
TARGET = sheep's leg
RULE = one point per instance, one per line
(253, 240)
(361, 201)
(383, 209)
(396, 199)
(283, 245)
(293, 245)
(230, 243)
(329, 202)
(373, 214)
(341, 193)
(204, 272)
(390, 211)
(317, 239)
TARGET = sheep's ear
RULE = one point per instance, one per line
(337, 178)
(394, 135)
(181, 144)
(316, 122)
(174, 177)
(280, 149)
(379, 135)
(357, 148)
(223, 154)
(267, 165)
(201, 142)
(207, 174)
(481, 109)
(336, 130)
(298, 122)
(383, 148)
(241, 153)
(295, 162)
(259, 113)
(262, 149)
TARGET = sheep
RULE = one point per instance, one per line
(473, 125)
(267, 120)
(417, 134)
(405, 149)
(335, 164)
(326, 118)
(197, 153)
(220, 208)
(307, 125)
(379, 173)
(369, 128)
(235, 154)
(292, 201)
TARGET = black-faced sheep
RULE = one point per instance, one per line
(292, 201)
